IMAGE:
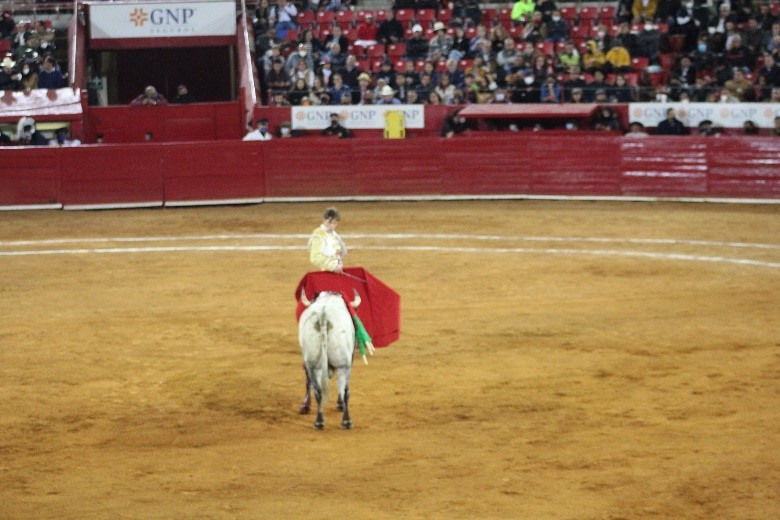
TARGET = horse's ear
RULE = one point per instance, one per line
(356, 300)
(304, 300)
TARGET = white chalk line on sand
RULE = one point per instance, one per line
(480, 250)
(390, 236)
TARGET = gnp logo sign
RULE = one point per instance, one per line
(150, 20)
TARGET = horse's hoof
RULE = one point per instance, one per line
(319, 426)
(347, 425)
(340, 407)
(304, 409)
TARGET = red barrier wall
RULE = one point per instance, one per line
(499, 163)
(195, 122)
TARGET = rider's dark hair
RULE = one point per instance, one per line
(331, 213)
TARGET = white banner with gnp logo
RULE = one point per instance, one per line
(152, 20)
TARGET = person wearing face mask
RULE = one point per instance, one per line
(29, 78)
(557, 30)
(454, 124)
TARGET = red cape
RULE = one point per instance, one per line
(380, 309)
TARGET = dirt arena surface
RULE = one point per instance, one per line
(541, 374)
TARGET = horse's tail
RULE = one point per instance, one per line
(319, 365)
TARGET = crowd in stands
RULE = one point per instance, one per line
(420, 51)
(28, 50)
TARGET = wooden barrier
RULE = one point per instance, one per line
(499, 163)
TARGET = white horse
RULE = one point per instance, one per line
(327, 337)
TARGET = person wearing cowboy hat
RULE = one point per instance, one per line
(440, 45)
(10, 79)
(387, 96)
(363, 95)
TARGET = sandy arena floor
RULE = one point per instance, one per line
(559, 377)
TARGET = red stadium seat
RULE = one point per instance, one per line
(515, 31)
(419, 65)
(546, 48)
(569, 14)
(305, 18)
(376, 65)
(405, 16)
(396, 50)
(667, 61)
(607, 14)
(588, 13)
(345, 18)
(325, 18)
(505, 14)
(488, 15)
(291, 36)
(444, 16)
(580, 33)
(380, 15)
(640, 63)
(426, 16)
(375, 51)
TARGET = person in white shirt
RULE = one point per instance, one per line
(261, 133)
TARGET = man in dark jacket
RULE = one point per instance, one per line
(335, 128)
(390, 30)
(671, 125)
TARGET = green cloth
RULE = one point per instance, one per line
(522, 9)
(361, 336)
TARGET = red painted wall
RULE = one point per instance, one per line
(499, 163)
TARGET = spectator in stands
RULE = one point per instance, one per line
(593, 59)
(27, 133)
(391, 30)
(61, 138)
(550, 91)
(475, 43)
(740, 87)
(302, 71)
(350, 72)
(576, 95)
(522, 10)
(530, 89)
(386, 72)
(183, 96)
(684, 25)
(338, 89)
(277, 79)
(10, 78)
(534, 31)
(412, 98)
(776, 128)
(387, 96)
(149, 97)
(557, 30)
(649, 41)
(400, 87)
(337, 36)
(644, 10)
(636, 129)
(50, 76)
(546, 7)
(598, 83)
(568, 57)
(336, 55)
(261, 133)
(576, 79)
(445, 89)
(299, 93)
(460, 45)
(683, 76)
(455, 73)
(279, 99)
(319, 93)
(506, 56)
(6, 25)
(333, 5)
(606, 120)
(466, 13)
(441, 44)
(335, 129)
(29, 79)
(625, 38)
(301, 54)
(737, 55)
(326, 70)
(753, 36)
(282, 16)
(671, 125)
(367, 32)
(750, 128)
(363, 95)
(702, 57)
(454, 124)
(705, 128)
(768, 75)
(621, 91)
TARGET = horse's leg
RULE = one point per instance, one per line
(344, 373)
(306, 404)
